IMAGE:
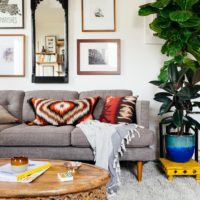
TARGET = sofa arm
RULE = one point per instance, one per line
(142, 113)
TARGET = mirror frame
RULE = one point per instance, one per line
(47, 79)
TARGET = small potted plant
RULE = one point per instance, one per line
(177, 23)
(178, 103)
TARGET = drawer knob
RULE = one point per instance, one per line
(185, 171)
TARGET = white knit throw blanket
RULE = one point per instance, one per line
(99, 136)
(107, 142)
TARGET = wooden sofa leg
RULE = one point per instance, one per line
(139, 171)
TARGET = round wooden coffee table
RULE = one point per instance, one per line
(89, 184)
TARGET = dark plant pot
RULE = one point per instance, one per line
(180, 148)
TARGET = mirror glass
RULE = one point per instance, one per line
(49, 41)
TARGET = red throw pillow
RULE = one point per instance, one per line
(57, 113)
(118, 110)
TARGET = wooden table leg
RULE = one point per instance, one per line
(139, 171)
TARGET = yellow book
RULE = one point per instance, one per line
(34, 167)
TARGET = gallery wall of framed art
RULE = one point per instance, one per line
(12, 46)
(12, 54)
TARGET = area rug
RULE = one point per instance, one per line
(155, 185)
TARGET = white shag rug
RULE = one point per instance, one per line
(155, 185)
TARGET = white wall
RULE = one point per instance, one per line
(140, 62)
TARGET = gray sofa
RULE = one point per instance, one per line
(65, 142)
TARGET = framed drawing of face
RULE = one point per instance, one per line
(98, 57)
(12, 55)
(11, 14)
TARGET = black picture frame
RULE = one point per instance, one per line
(47, 79)
(22, 19)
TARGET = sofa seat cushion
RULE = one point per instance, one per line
(5, 126)
(78, 139)
(24, 135)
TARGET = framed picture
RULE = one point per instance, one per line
(12, 55)
(11, 14)
(50, 44)
(149, 34)
(98, 16)
(98, 57)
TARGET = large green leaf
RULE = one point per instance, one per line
(156, 83)
(172, 48)
(194, 51)
(189, 93)
(163, 99)
(185, 93)
(193, 122)
(172, 73)
(161, 3)
(181, 77)
(155, 25)
(180, 16)
(186, 4)
(163, 76)
(165, 107)
(178, 118)
(163, 23)
(161, 94)
(189, 75)
(190, 63)
(167, 120)
(167, 87)
(147, 9)
(167, 33)
(196, 88)
(192, 22)
(185, 36)
(195, 42)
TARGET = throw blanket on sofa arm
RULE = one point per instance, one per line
(108, 142)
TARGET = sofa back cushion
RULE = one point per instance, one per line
(103, 94)
(28, 112)
(12, 101)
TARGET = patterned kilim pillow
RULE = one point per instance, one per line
(118, 110)
(57, 113)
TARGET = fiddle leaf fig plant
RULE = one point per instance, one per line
(177, 23)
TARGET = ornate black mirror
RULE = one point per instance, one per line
(50, 41)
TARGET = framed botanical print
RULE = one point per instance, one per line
(98, 57)
(50, 44)
(11, 14)
(98, 15)
(12, 55)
